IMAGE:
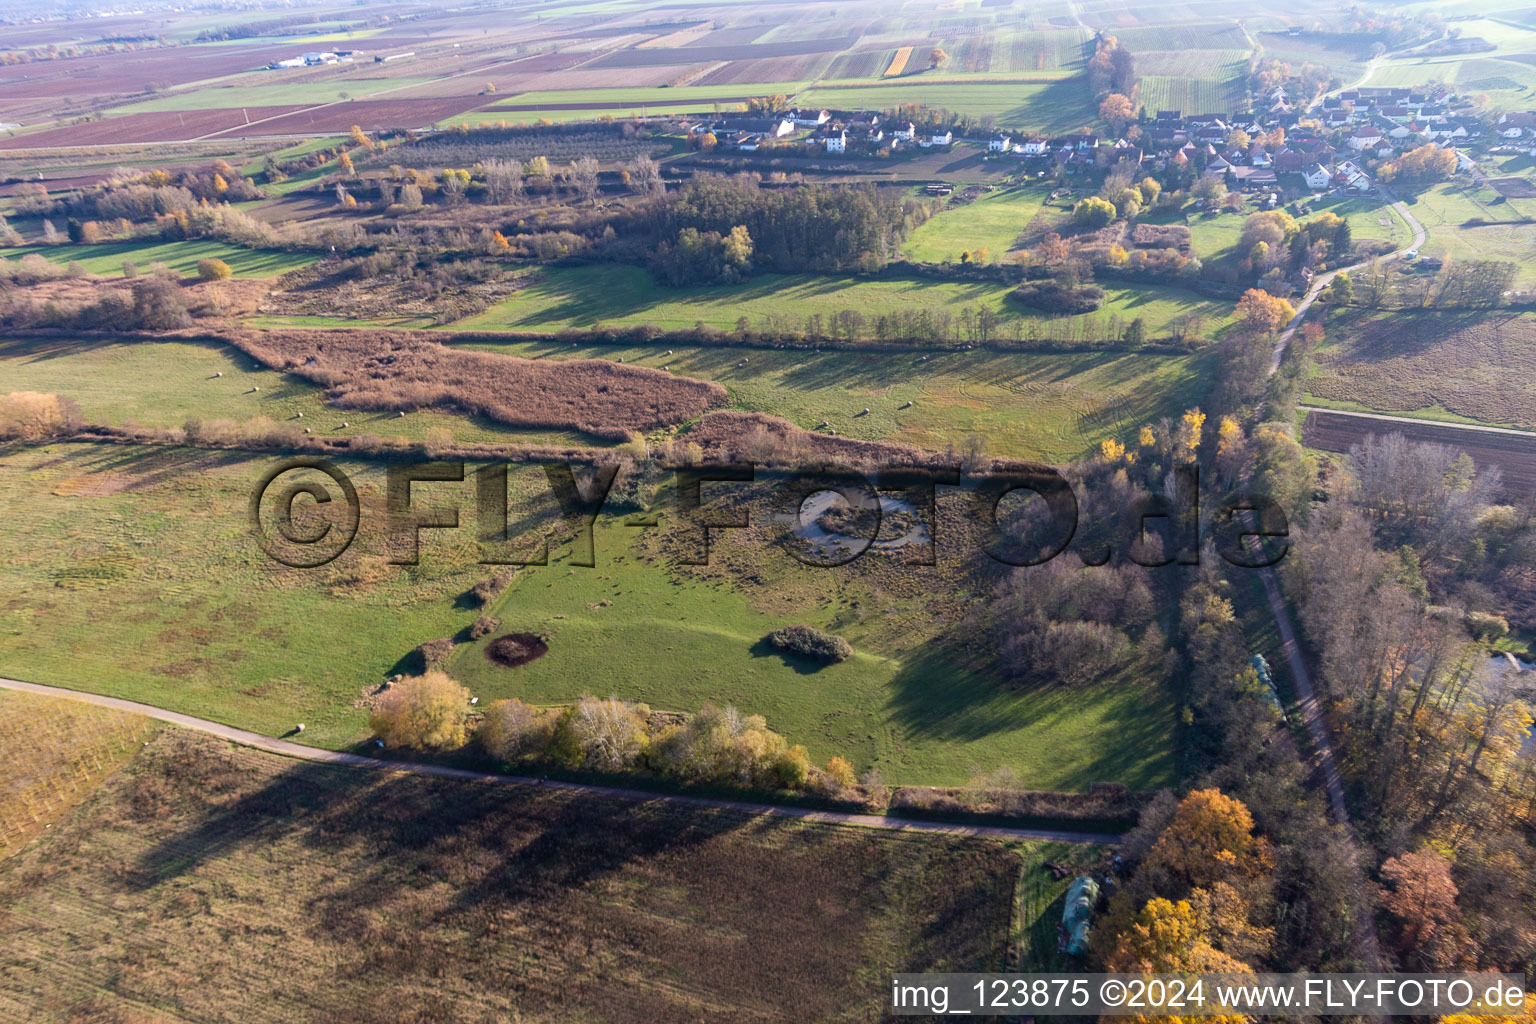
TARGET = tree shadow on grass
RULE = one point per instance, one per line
(799, 663)
(938, 696)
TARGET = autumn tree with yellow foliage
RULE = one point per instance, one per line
(1199, 894)
(1261, 311)
(425, 712)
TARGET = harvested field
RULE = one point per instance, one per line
(681, 37)
(128, 74)
(751, 51)
(1478, 366)
(768, 69)
(406, 898)
(1514, 188)
(730, 36)
(164, 126)
(371, 115)
(401, 370)
(515, 649)
(1514, 454)
(864, 64)
(516, 79)
(57, 752)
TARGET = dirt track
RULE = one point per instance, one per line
(288, 749)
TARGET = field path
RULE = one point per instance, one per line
(1389, 418)
(1322, 281)
(285, 748)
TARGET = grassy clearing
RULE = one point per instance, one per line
(181, 257)
(134, 571)
(1369, 219)
(407, 898)
(1056, 408)
(163, 384)
(154, 549)
(1213, 234)
(1216, 235)
(992, 222)
(612, 294)
(913, 712)
(298, 149)
(1445, 211)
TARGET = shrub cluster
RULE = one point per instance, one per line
(810, 642)
(721, 745)
(1054, 297)
(34, 416)
(401, 371)
(715, 745)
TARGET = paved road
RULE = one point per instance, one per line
(1322, 281)
(297, 750)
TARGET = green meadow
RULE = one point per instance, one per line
(991, 222)
(1052, 407)
(107, 258)
(162, 384)
(1059, 105)
(613, 294)
(630, 628)
(133, 571)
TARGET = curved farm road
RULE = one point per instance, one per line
(1322, 281)
(297, 750)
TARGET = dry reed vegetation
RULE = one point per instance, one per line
(401, 370)
(212, 882)
(56, 753)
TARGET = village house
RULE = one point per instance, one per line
(1517, 124)
(768, 127)
(999, 143)
(1317, 177)
(1364, 137)
(1349, 175)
